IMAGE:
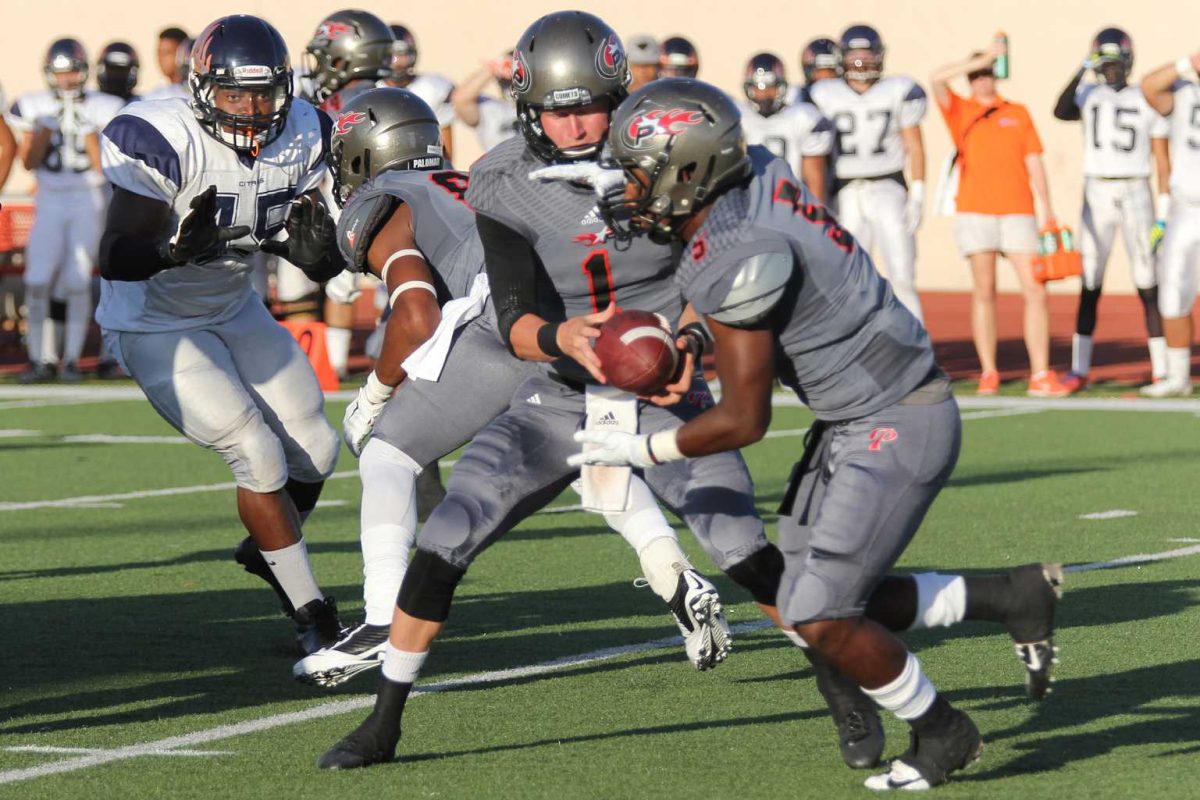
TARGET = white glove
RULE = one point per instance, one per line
(915, 209)
(613, 449)
(363, 411)
(606, 182)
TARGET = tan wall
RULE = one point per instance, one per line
(1049, 38)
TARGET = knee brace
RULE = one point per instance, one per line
(428, 587)
(1085, 319)
(760, 573)
(1149, 298)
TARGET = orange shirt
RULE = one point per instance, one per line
(993, 177)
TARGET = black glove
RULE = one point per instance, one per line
(200, 238)
(310, 244)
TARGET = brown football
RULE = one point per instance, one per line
(637, 354)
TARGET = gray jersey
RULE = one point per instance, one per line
(443, 224)
(586, 269)
(770, 253)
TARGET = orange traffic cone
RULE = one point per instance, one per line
(311, 338)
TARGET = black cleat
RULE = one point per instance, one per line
(1036, 592)
(860, 732)
(360, 649)
(38, 373)
(249, 556)
(430, 492)
(953, 744)
(366, 745)
(109, 369)
(317, 625)
(70, 373)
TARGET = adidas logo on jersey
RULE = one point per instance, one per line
(608, 419)
(593, 217)
(534, 399)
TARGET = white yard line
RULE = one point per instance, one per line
(89, 751)
(338, 707)
(1116, 513)
(112, 438)
(18, 433)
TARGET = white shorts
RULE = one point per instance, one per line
(995, 233)
(1179, 261)
(242, 388)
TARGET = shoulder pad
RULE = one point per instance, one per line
(760, 282)
(359, 224)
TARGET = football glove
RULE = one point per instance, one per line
(363, 411)
(613, 449)
(310, 244)
(200, 238)
(1156, 234)
(914, 210)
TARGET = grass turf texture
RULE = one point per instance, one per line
(132, 624)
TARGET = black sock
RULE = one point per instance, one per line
(389, 703)
(893, 604)
(933, 719)
(987, 597)
(304, 495)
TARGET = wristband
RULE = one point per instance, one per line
(699, 339)
(664, 446)
(547, 339)
(378, 392)
(1186, 70)
(1163, 206)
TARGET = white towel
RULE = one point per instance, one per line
(426, 362)
(606, 489)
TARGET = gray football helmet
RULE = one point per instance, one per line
(348, 45)
(563, 60)
(379, 130)
(680, 141)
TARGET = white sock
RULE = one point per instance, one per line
(401, 666)
(37, 309)
(796, 638)
(388, 522)
(662, 561)
(1081, 354)
(1158, 357)
(941, 600)
(79, 316)
(1179, 365)
(910, 695)
(291, 568)
(646, 530)
(337, 343)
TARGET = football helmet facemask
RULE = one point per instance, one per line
(766, 83)
(65, 56)
(862, 53)
(117, 69)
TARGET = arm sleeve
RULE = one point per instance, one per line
(1068, 104)
(913, 106)
(512, 270)
(137, 157)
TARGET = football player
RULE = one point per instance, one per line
(554, 277)
(117, 71)
(60, 144)
(411, 227)
(1173, 90)
(788, 293)
(796, 132)
(1122, 134)
(878, 124)
(678, 58)
(494, 120)
(198, 189)
(434, 89)
(820, 60)
(170, 40)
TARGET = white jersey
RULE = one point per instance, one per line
(497, 122)
(1117, 129)
(66, 165)
(1185, 143)
(792, 133)
(868, 125)
(158, 149)
(170, 90)
(434, 90)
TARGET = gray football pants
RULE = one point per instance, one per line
(857, 503)
(518, 463)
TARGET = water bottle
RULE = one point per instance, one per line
(1000, 65)
(1068, 240)
(1049, 243)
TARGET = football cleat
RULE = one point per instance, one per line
(360, 649)
(317, 625)
(860, 732)
(251, 558)
(932, 756)
(369, 743)
(38, 373)
(1037, 589)
(70, 373)
(701, 620)
(1166, 388)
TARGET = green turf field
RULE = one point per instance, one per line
(141, 662)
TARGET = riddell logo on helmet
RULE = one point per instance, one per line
(643, 128)
(347, 121)
(610, 57)
(520, 73)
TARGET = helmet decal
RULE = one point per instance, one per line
(521, 78)
(643, 128)
(610, 58)
(347, 121)
(331, 29)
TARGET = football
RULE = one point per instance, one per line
(637, 352)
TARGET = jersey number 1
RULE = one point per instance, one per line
(599, 274)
